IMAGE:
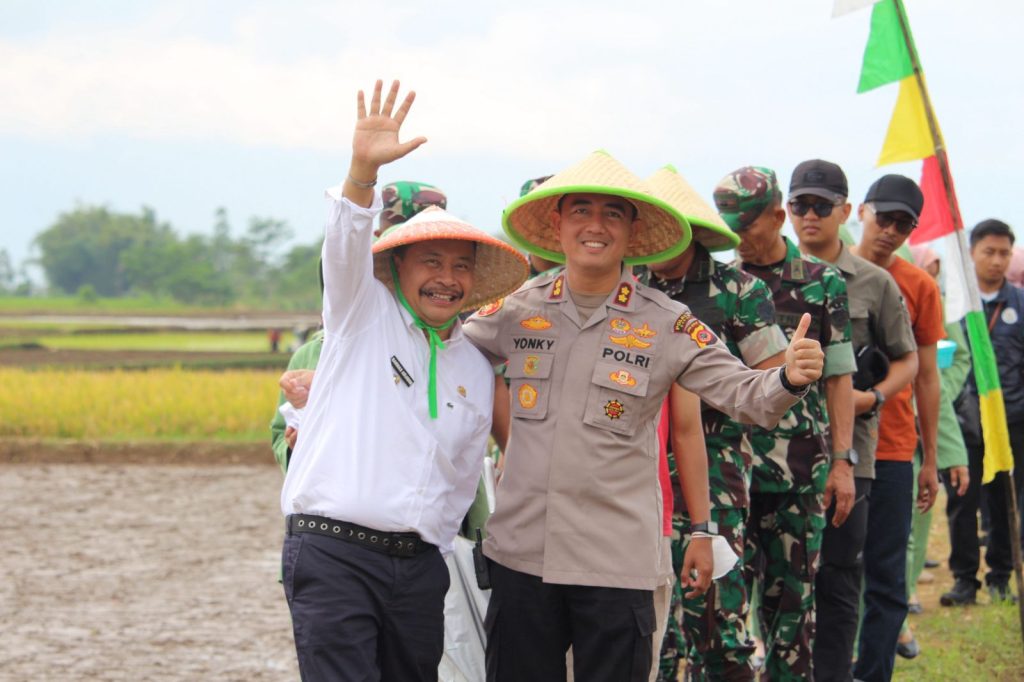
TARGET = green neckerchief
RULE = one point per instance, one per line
(432, 336)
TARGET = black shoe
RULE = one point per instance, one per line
(915, 608)
(908, 649)
(963, 592)
(929, 563)
(1001, 593)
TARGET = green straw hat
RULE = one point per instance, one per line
(708, 227)
(663, 234)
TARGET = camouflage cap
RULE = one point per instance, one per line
(533, 184)
(744, 194)
(404, 199)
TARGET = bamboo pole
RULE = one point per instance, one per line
(972, 283)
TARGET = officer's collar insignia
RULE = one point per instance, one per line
(613, 409)
(644, 332)
(624, 294)
(536, 323)
(795, 270)
(530, 365)
(620, 325)
(527, 397)
(629, 341)
(462, 391)
(491, 308)
(557, 287)
(623, 378)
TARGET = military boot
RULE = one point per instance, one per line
(964, 592)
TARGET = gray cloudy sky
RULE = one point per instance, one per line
(185, 106)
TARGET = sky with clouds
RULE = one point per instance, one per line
(185, 106)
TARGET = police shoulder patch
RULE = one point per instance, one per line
(491, 308)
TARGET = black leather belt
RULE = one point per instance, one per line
(392, 544)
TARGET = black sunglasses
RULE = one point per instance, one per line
(822, 208)
(903, 225)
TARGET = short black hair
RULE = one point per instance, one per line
(991, 228)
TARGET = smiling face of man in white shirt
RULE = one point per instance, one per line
(436, 277)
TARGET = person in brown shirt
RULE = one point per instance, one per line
(574, 541)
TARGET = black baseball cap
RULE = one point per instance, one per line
(820, 178)
(896, 193)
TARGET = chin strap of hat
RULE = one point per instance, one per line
(432, 337)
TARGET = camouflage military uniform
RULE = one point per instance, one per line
(791, 464)
(739, 309)
(404, 199)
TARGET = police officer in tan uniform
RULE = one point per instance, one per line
(575, 539)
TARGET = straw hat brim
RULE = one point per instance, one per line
(708, 227)
(498, 271)
(663, 234)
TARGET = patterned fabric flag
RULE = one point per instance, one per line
(890, 57)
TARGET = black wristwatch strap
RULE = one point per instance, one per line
(795, 390)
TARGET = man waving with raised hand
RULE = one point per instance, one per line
(396, 425)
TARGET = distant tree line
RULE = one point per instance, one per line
(93, 251)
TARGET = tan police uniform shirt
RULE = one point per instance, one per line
(878, 316)
(579, 502)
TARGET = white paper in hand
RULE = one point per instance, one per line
(292, 415)
(723, 557)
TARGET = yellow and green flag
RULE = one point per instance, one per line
(890, 57)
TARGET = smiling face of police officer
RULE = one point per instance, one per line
(594, 231)
(436, 277)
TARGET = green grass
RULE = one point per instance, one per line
(224, 342)
(75, 305)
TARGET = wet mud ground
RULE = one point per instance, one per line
(127, 571)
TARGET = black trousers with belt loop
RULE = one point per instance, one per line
(358, 614)
(531, 625)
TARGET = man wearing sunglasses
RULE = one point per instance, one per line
(889, 214)
(817, 207)
(795, 471)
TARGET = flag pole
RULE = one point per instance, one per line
(972, 282)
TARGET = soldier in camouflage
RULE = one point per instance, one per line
(803, 463)
(738, 307)
(404, 199)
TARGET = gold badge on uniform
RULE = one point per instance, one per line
(623, 378)
(527, 397)
(644, 332)
(625, 294)
(620, 325)
(491, 308)
(536, 323)
(530, 365)
(614, 409)
(462, 391)
(629, 341)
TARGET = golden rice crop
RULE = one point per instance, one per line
(155, 404)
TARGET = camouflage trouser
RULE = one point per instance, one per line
(783, 548)
(713, 641)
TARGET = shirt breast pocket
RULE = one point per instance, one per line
(530, 384)
(616, 398)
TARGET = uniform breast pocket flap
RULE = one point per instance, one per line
(616, 397)
(529, 375)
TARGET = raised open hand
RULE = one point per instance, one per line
(375, 141)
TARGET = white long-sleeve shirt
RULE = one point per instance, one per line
(368, 452)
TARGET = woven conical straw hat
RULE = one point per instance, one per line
(663, 233)
(708, 227)
(500, 269)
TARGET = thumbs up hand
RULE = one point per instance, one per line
(804, 357)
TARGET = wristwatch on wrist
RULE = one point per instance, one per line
(850, 455)
(709, 527)
(879, 401)
(786, 384)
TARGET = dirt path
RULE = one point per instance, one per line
(141, 572)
